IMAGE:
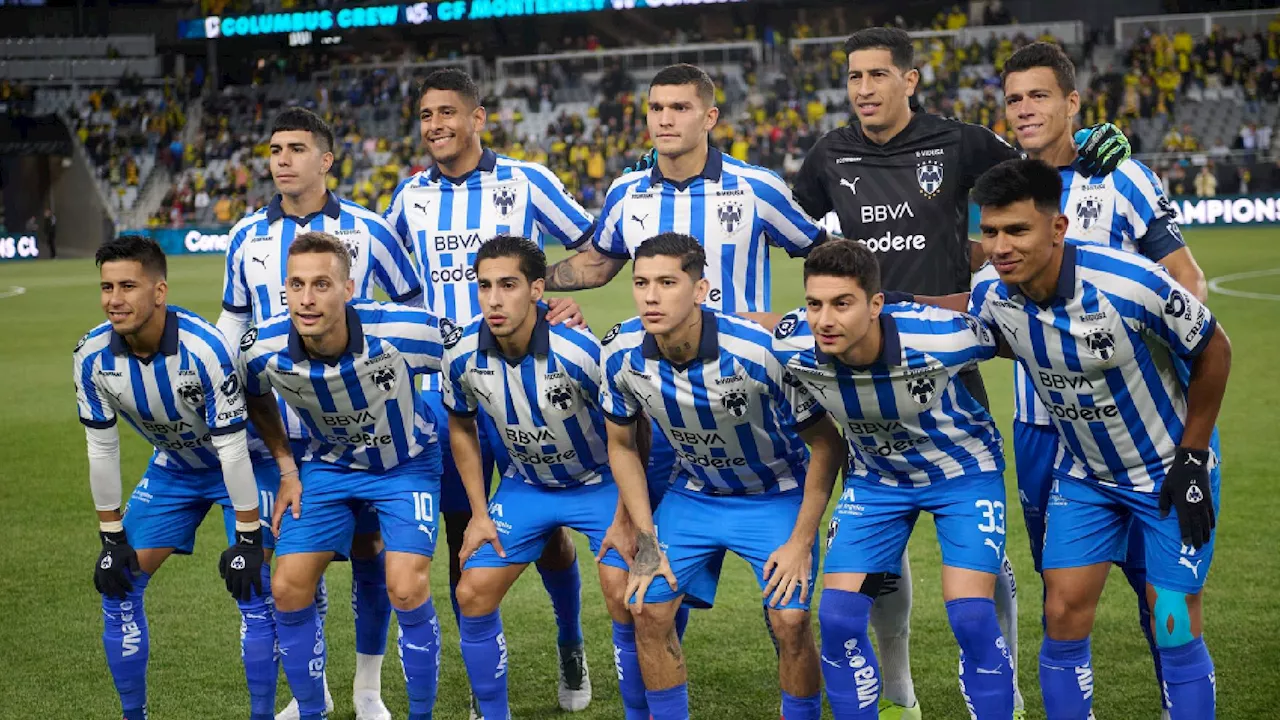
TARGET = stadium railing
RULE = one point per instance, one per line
(1070, 32)
(634, 59)
(1199, 25)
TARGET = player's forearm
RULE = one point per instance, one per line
(264, 414)
(233, 326)
(958, 302)
(237, 474)
(827, 455)
(104, 471)
(1186, 271)
(464, 443)
(583, 271)
(629, 474)
(1208, 384)
(767, 320)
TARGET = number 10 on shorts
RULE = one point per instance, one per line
(424, 509)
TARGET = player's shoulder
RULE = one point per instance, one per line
(743, 337)
(626, 184)
(792, 334)
(461, 339)
(624, 337)
(377, 314)
(530, 170)
(269, 336)
(749, 172)
(360, 212)
(200, 336)
(925, 325)
(1133, 173)
(93, 342)
(984, 274)
(240, 231)
(573, 341)
(1115, 270)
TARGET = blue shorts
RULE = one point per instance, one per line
(1035, 448)
(453, 496)
(872, 523)
(366, 516)
(1088, 523)
(695, 530)
(167, 506)
(526, 515)
(406, 499)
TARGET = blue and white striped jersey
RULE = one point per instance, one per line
(1126, 210)
(361, 411)
(545, 405)
(734, 209)
(908, 421)
(1109, 355)
(176, 399)
(732, 413)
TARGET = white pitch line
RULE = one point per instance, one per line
(15, 290)
(1216, 284)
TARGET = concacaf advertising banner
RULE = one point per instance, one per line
(183, 241)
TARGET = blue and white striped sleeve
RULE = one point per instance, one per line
(393, 269)
(1149, 215)
(785, 222)
(395, 215)
(1174, 314)
(224, 407)
(456, 389)
(253, 364)
(617, 400)
(608, 239)
(555, 210)
(236, 296)
(416, 333)
(582, 361)
(790, 394)
(95, 411)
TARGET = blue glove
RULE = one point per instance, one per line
(646, 161)
(1101, 149)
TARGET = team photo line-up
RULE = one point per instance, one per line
(330, 426)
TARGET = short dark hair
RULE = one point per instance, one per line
(139, 248)
(1042, 54)
(686, 74)
(321, 243)
(300, 118)
(1013, 181)
(845, 259)
(895, 40)
(533, 262)
(451, 79)
(693, 258)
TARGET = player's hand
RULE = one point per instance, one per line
(241, 565)
(787, 570)
(289, 497)
(117, 564)
(621, 536)
(1186, 489)
(644, 162)
(650, 562)
(479, 531)
(1101, 149)
(565, 310)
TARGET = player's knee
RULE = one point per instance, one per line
(291, 591)
(473, 599)
(1068, 613)
(366, 546)
(656, 623)
(793, 630)
(408, 584)
(1175, 616)
(613, 585)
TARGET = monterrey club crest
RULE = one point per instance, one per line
(1088, 211)
(560, 397)
(730, 214)
(191, 394)
(1101, 343)
(929, 177)
(922, 389)
(384, 378)
(504, 201)
(735, 403)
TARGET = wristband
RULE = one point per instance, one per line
(254, 526)
(111, 526)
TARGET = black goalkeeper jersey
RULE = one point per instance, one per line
(908, 199)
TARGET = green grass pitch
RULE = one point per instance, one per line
(52, 654)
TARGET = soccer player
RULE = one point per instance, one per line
(444, 214)
(1126, 210)
(301, 148)
(918, 441)
(1132, 369)
(899, 181)
(172, 376)
(739, 424)
(348, 372)
(541, 385)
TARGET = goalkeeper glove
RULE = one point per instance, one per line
(241, 565)
(1187, 491)
(646, 161)
(1101, 149)
(117, 564)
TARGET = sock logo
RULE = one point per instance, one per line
(502, 657)
(864, 674)
(617, 662)
(1084, 679)
(131, 643)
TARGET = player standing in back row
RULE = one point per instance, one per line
(899, 182)
(443, 215)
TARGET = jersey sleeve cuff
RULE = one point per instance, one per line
(98, 424)
(612, 254)
(1204, 341)
(415, 292)
(1160, 241)
(814, 418)
(231, 429)
(583, 239)
(621, 419)
(804, 251)
(461, 413)
(236, 308)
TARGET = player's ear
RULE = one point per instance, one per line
(326, 162)
(876, 303)
(479, 117)
(1060, 225)
(912, 78)
(701, 289)
(713, 116)
(162, 292)
(537, 288)
(1073, 104)
(349, 289)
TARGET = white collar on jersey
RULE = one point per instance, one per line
(890, 348)
(539, 343)
(712, 171)
(332, 208)
(488, 161)
(1066, 275)
(355, 341)
(168, 340)
(708, 344)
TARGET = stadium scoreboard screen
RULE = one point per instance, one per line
(374, 16)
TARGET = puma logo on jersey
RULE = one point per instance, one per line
(640, 219)
(853, 186)
(261, 261)
(422, 207)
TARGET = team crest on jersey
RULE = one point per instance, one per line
(83, 339)
(929, 177)
(735, 403)
(560, 397)
(248, 339)
(352, 249)
(1088, 211)
(191, 394)
(786, 326)
(384, 378)
(922, 389)
(1101, 343)
(730, 214)
(504, 201)
(832, 528)
(613, 333)
(450, 332)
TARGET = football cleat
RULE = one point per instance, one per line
(575, 683)
(1019, 714)
(890, 710)
(290, 712)
(369, 706)
(473, 706)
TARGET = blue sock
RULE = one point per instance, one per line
(1189, 680)
(370, 603)
(627, 663)
(669, 704)
(127, 641)
(484, 652)
(565, 589)
(258, 650)
(302, 655)
(420, 658)
(322, 600)
(682, 621)
(801, 708)
(986, 674)
(849, 664)
(1137, 578)
(1066, 678)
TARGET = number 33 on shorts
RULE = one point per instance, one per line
(992, 524)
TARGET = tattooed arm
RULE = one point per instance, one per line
(583, 271)
(633, 492)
